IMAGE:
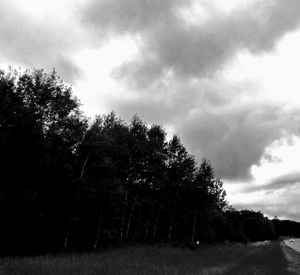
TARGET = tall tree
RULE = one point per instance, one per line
(104, 155)
(180, 168)
(41, 127)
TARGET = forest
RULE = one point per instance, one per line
(68, 183)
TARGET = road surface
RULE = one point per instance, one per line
(294, 245)
(292, 254)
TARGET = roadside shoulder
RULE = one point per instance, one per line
(292, 256)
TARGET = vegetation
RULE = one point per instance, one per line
(67, 184)
(230, 259)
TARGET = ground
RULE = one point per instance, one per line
(262, 258)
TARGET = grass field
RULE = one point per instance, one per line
(146, 260)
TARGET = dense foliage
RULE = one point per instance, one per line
(40, 129)
(69, 184)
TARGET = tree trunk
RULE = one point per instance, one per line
(155, 227)
(194, 227)
(83, 166)
(172, 217)
(171, 227)
(66, 242)
(123, 216)
(99, 230)
(147, 230)
(130, 218)
(136, 233)
(183, 236)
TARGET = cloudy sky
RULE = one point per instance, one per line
(224, 75)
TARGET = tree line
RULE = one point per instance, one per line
(67, 183)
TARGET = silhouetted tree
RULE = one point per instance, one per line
(65, 184)
(41, 126)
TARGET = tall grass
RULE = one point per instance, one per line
(162, 260)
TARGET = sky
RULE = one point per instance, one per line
(223, 75)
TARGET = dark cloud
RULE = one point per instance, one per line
(235, 138)
(284, 181)
(232, 129)
(67, 69)
(190, 50)
(176, 70)
(271, 158)
(177, 81)
(133, 16)
(34, 42)
(172, 102)
(288, 179)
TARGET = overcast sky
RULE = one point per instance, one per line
(224, 75)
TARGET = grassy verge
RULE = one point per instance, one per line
(229, 259)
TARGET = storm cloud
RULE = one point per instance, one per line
(282, 182)
(235, 138)
(177, 76)
(168, 44)
(232, 132)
